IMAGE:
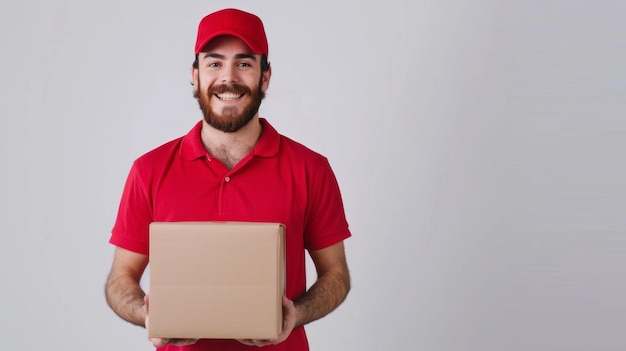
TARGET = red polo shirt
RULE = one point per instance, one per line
(279, 181)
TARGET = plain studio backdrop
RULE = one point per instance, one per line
(478, 145)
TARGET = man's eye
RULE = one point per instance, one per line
(213, 64)
(244, 64)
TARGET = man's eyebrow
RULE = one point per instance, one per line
(243, 56)
(214, 55)
(222, 57)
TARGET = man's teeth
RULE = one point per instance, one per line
(229, 96)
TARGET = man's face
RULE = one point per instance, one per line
(229, 83)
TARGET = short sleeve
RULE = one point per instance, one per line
(325, 223)
(134, 216)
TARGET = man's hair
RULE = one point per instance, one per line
(265, 64)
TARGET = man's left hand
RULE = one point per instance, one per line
(289, 323)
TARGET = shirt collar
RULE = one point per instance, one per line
(267, 146)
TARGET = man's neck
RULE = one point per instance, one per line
(230, 148)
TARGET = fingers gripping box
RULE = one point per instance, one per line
(221, 280)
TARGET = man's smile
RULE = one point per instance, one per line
(228, 96)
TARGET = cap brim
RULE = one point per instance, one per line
(254, 48)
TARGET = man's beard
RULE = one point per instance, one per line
(228, 121)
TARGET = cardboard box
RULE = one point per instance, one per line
(216, 280)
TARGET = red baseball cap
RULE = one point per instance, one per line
(243, 25)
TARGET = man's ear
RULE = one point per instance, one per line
(265, 83)
(194, 77)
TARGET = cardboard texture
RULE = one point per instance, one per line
(216, 280)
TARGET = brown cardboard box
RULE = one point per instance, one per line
(221, 280)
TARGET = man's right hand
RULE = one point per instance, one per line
(160, 342)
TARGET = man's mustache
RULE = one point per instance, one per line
(229, 88)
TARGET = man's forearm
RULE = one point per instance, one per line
(328, 292)
(126, 298)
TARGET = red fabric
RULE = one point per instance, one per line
(297, 342)
(279, 181)
(244, 25)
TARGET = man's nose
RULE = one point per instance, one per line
(229, 74)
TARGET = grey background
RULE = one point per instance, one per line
(478, 145)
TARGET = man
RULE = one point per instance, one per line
(234, 166)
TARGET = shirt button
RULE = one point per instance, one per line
(227, 179)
